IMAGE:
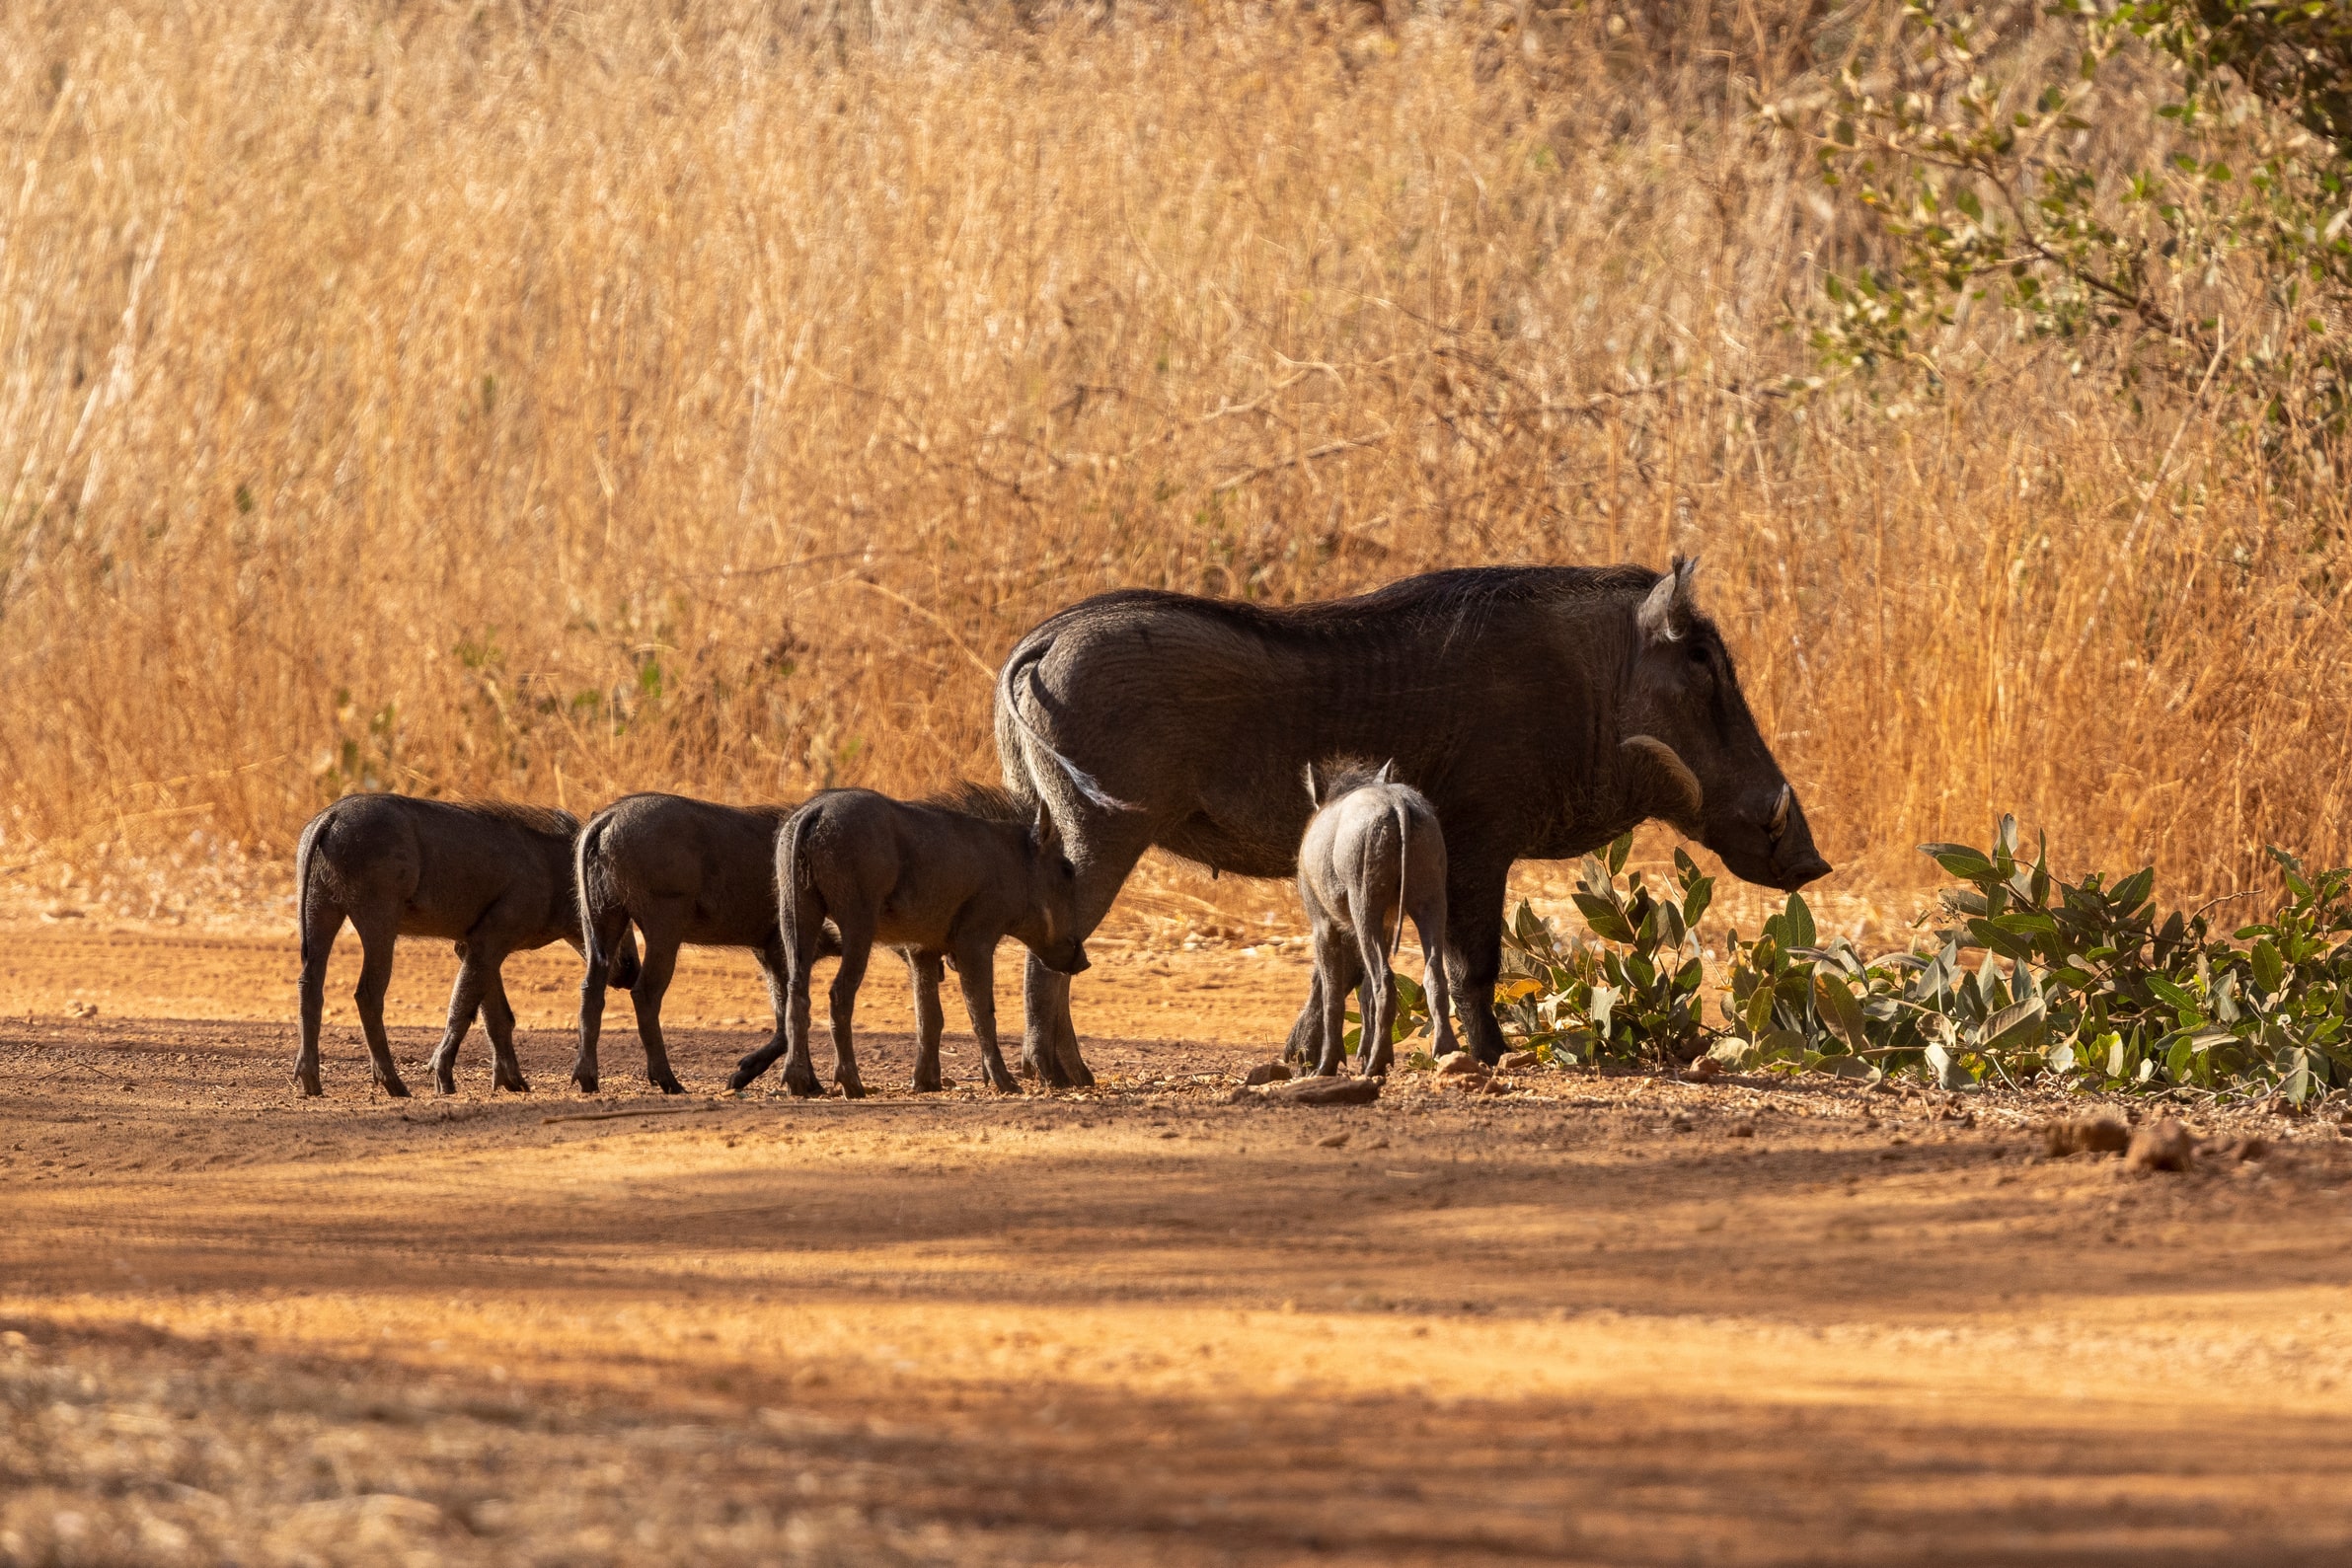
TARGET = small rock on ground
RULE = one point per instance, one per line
(1313, 1091)
(1269, 1072)
(1519, 1062)
(1460, 1064)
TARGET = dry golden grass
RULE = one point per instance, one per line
(559, 400)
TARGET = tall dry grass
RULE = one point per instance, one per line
(559, 400)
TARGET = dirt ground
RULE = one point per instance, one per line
(1615, 1320)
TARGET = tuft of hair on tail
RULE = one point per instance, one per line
(1009, 690)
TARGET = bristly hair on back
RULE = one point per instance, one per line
(1336, 775)
(536, 819)
(985, 802)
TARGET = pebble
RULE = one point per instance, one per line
(1520, 1062)
(1740, 1129)
(1335, 1141)
(1460, 1064)
(1705, 1067)
(1269, 1072)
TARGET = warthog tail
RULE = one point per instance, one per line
(305, 850)
(1021, 676)
(1403, 861)
(619, 970)
(791, 876)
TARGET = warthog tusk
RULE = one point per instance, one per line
(1780, 821)
(1685, 783)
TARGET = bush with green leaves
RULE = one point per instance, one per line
(1981, 159)
(2034, 977)
(1636, 993)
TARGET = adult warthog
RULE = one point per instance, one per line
(1542, 710)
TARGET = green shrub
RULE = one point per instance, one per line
(2082, 982)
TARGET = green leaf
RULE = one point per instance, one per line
(2016, 1027)
(2130, 893)
(1617, 853)
(1991, 936)
(1607, 922)
(1695, 902)
(1840, 1011)
(1799, 918)
(1958, 859)
(2269, 968)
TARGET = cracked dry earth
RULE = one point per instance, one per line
(1600, 1321)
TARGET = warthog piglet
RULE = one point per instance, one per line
(1372, 854)
(944, 879)
(682, 871)
(491, 877)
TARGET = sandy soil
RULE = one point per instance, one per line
(1603, 1319)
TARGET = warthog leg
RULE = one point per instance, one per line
(1473, 950)
(376, 935)
(925, 970)
(1104, 846)
(1338, 970)
(1378, 1007)
(594, 983)
(1430, 921)
(975, 972)
(856, 950)
(653, 973)
(776, 972)
(1050, 1042)
(788, 987)
(320, 926)
(465, 1000)
(497, 1017)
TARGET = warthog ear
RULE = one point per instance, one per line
(1669, 606)
(1681, 802)
(1043, 834)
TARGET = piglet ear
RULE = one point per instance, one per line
(1314, 789)
(1388, 771)
(1043, 834)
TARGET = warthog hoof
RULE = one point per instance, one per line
(308, 1083)
(803, 1084)
(667, 1082)
(514, 1083)
(586, 1080)
(1001, 1079)
(850, 1088)
(927, 1083)
(395, 1088)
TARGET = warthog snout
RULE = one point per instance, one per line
(1795, 859)
(1070, 960)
